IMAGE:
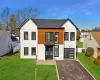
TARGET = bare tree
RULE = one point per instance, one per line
(4, 17)
(96, 29)
(26, 13)
(12, 23)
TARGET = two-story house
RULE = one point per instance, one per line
(45, 39)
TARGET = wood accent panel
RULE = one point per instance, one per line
(41, 35)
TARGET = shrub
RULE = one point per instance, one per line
(89, 51)
(83, 50)
(98, 57)
(97, 61)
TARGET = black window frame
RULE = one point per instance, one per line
(54, 51)
(32, 50)
(51, 39)
(65, 36)
(27, 51)
(55, 37)
(25, 35)
(70, 36)
(32, 34)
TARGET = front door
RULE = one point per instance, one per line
(49, 52)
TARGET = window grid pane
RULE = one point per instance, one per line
(25, 35)
(25, 50)
(56, 51)
(33, 51)
(33, 36)
(66, 36)
(72, 36)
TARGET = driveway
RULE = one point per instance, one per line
(72, 70)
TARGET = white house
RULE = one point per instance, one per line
(45, 39)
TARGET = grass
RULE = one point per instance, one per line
(14, 68)
(46, 72)
(79, 44)
(88, 63)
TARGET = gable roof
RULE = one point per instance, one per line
(96, 36)
(49, 23)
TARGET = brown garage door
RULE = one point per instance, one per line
(69, 53)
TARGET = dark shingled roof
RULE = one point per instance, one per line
(49, 23)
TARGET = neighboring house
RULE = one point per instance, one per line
(5, 42)
(45, 39)
(83, 35)
(93, 40)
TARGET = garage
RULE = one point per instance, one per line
(69, 53)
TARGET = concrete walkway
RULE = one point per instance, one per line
(46, 62)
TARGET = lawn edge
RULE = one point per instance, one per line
(57, 72)
(86, 69)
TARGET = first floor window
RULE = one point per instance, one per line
(25, 50)
(56, 51)
(33, 50)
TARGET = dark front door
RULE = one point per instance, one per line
(49, 52)
(69, 53)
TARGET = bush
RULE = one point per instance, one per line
(89, 51)
(83, 50)
(98, 57)
(97, 61)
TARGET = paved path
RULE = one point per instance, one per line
(72, 70)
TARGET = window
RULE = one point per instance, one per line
(49, 36)
(25, 50)
(33, 51)
(56, 37)
(25, 35)
(33, 36)
(56, 51)
(72, 36)
(66, 36)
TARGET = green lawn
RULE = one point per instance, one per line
(79, 44)
(46, 72)
(14, 68)
(88, 63)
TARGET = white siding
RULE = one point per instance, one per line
(69, 27)
(41, 52)
(61, 53)
(29, 27)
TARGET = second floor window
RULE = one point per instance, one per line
(49, 36)
(66, 36)
(33, 36)
(72, 36)
(56, 37)
(25, 35)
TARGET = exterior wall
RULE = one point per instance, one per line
(41, 35)
(91, 43)
(70, 28)
(5, 42)
(41, 52)
(61, 53)
(29, 27)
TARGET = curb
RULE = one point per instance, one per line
(57, 72)
(85, 69)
